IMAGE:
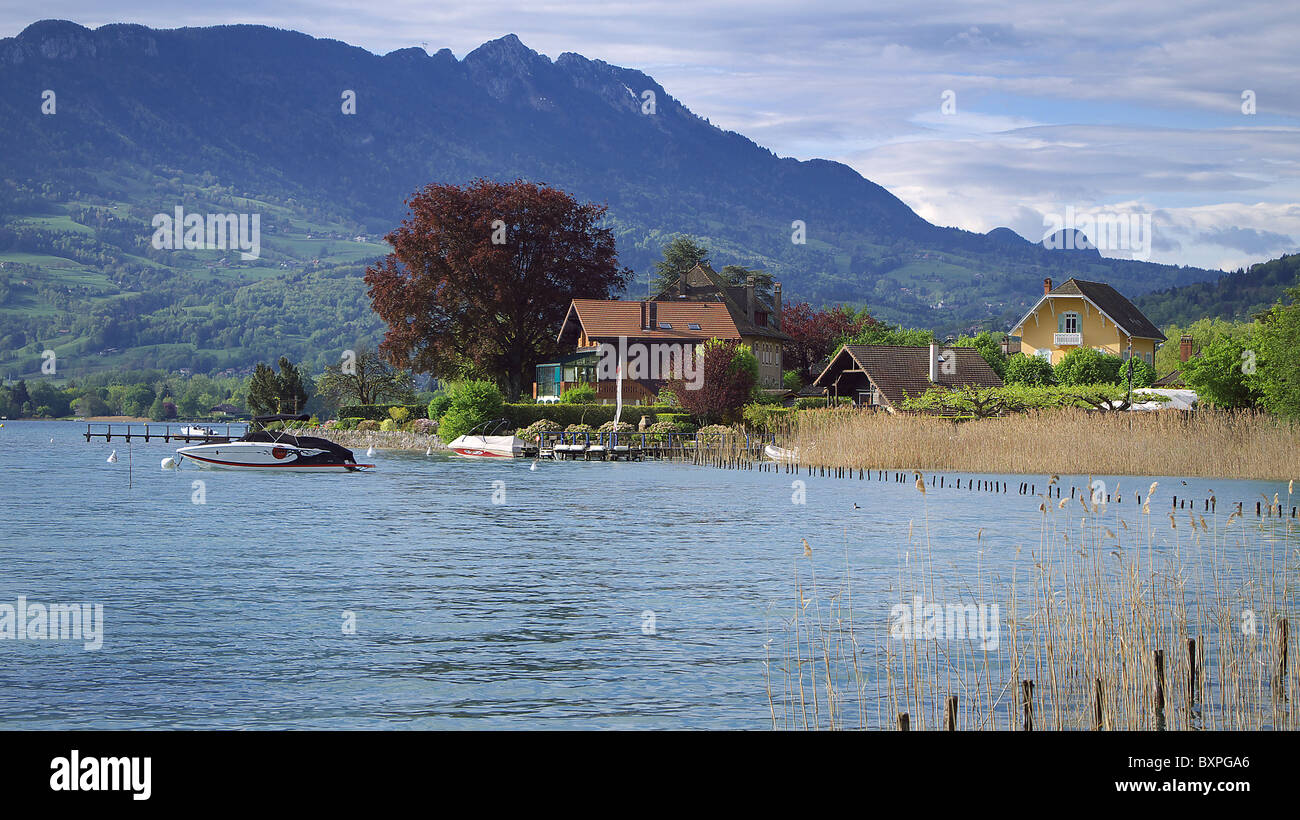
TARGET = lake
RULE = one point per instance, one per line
(531, 613)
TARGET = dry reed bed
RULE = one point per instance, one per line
(1209, 444)
(1086, 608)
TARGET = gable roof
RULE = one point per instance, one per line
(600, 319)
(898, 369)
(703, 283)
(1113, 304)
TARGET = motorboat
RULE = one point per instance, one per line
(485, 441)
(261, 448)
(197, 431)
(780, 454)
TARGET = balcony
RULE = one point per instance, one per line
(1059, 339)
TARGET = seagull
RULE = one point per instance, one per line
(112, 457)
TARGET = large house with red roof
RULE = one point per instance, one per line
(692, 310)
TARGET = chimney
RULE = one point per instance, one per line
(749, 298)
(1185, 348)
(776, 305)
(645, 314)
(1047, 285)
(681, 285)
(654, 315)
(934, 363)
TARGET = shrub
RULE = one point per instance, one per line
(378, 412)
(716, 431)
(1144, 375)
(579, 394)
(388, 425)
(791, 380)
(424, 426)
(523, 415)
(1083, 365)
(579, 428)
(1033, 371)
(764, 416)
(438, 405)
(623, 427)
(532, 431)
(399, 414)
(676, 418)
(809, 403)
(472, 403)
(660, 430)
(368, 424)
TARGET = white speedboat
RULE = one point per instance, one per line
(195, 431)
(260, 449)
(780, 454)
(482, 442)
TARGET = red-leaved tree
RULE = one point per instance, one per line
(730, 373)
(814, 334)
(481, 276)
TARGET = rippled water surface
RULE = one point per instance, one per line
(469, 614)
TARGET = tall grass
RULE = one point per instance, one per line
(1082, 616)
(1235, 445)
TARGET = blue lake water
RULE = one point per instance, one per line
(468, 614)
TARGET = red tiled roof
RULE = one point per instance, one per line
(602, 319)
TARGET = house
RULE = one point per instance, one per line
(695, 308)
(225, 410)
(882, 376)
(1078, 313)
(665, 329)
(757, 321)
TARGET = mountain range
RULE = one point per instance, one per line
(103, 129)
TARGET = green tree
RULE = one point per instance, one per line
(680, 255)
(1276, 379)
(1219, 373)
(990, 348)
(579, 394)
(365, 378)
(270, 393)
(738, 276)
(472, 403)
(1033, 371)
(1084, 365)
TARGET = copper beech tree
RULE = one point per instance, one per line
(481, 276)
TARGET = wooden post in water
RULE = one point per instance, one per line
(904, 723)
(1027, 695)
(1191, 673)
(950, 713)
(1160, 689)
(1099, 713)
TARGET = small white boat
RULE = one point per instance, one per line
(780, 454)
(265, 449)
(196, 431)
(481, 442)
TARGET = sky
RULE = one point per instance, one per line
(976, 114)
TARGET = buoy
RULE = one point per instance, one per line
(429, 451)
(52, 441)
(370, 451)
(112, 457)
(533, 466)
(169, 463)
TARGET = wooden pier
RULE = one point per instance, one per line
(164, 432)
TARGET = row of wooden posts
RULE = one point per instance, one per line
(976, 484)
(1099, 722)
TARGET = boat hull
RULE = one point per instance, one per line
(265, 456)
(487, 446)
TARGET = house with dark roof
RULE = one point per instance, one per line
(1078, 313)
(757, 320)
(882, 376)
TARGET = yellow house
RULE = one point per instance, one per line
(1086, 314)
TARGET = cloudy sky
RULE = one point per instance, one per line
(1101, 106)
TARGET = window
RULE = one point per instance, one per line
(1044, 354)
(693, 325)
(1068, 323)
(1147, 357)
(665, 326)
